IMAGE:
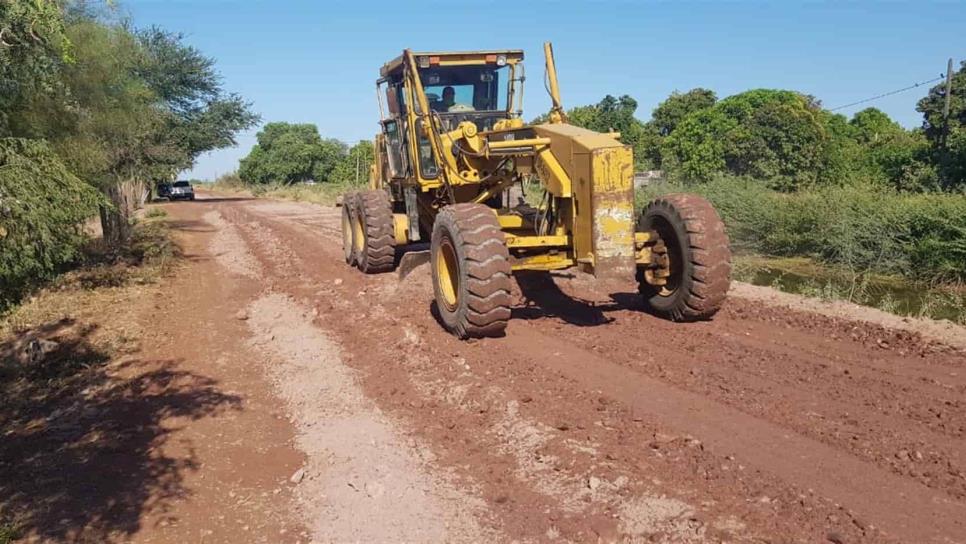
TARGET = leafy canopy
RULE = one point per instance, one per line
(948, 142)
(33, 46)
(290, 153)
(769, 134)
(42, 208)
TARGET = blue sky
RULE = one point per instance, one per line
(314, 61)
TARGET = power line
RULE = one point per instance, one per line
(890, 93)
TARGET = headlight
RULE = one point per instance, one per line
(501, 60)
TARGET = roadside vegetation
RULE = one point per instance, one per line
(93, 112)
(293, 162)
(899, 251)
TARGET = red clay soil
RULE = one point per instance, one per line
(590, 421)
(785, 424)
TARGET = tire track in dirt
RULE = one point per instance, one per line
(892, 424)
(912, 512)
(811, 515)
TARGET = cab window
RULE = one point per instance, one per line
(455, 89)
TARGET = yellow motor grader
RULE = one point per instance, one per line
(450, 159)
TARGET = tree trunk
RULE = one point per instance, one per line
(126, 196)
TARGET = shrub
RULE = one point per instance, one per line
(230, 180)
(42, 210)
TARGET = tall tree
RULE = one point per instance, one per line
(668, 114)
(774, 135)
(133, 108)
(290, 153)
(354, 166)
(201, 116)
(888, 153)
(948, 139)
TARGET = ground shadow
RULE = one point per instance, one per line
(80, 456)
(190, 225)
(542, 298)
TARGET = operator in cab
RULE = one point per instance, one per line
(448, 102)
(449, 99)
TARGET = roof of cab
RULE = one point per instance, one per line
(456, 57)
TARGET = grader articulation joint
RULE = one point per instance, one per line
(451, 158)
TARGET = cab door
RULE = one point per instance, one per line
(394, 131)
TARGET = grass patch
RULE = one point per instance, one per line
(324, 193)
(155, 213)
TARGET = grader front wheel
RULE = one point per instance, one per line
(698, 258)
(471, 271)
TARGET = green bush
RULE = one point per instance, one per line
(864, 228)
(937, 228)
(42, 210)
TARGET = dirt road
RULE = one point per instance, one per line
(591, 421)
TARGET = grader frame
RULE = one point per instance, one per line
(445, 172)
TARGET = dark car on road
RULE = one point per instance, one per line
(163, 190)
(182, 190)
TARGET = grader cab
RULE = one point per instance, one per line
(450, 159)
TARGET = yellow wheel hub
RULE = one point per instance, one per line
(447, 272)
(346, 232)
(358, 235)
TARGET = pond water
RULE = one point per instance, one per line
(890, 294)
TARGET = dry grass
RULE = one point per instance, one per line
(104, 285)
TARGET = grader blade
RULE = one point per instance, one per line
(411, 261)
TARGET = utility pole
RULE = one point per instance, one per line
(949, 95)
(357, 166)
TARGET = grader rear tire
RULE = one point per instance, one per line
(471, 271)
(348, 222)
(699, 256)
(377, 245)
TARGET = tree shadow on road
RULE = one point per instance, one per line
(81, 451)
